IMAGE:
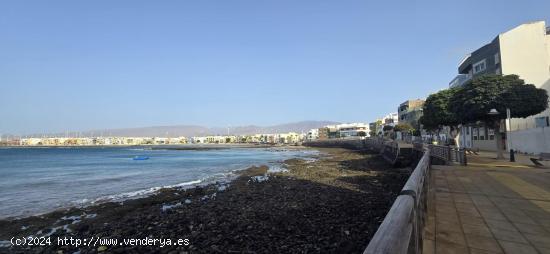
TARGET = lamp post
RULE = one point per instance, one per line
(493, 113)
(509, 136)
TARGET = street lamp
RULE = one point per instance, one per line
(509, 135)
(493, 112)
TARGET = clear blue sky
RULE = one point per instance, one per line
(79, 65)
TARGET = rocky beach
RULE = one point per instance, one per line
(333, 204)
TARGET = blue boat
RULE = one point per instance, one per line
(141, 158)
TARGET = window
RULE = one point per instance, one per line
(497, 58)
(541, 122)
(482, 133)
(474, 132)
(491, 133)
(479, 66)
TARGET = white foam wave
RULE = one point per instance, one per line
(144, 192)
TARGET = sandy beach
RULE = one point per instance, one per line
(331, 205)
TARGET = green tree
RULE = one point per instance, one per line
(436, 112)
(473, 101)
(403, 127)
(372, 133)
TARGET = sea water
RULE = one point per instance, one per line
(38, 180)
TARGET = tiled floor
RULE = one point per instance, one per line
(488, 209)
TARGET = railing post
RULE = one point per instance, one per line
(449, 155)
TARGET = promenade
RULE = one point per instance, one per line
(490, 206)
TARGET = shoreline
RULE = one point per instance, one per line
(254, 205)
(218, 178)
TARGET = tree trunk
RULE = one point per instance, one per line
(455, 131)
(498, 139)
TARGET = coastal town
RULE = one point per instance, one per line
(332, 131)
(493, 58)
(496, 57)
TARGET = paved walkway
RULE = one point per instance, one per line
(488, 207)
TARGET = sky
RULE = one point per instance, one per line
(84, 65)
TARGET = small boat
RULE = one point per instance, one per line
(141, 158)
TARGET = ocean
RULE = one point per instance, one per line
(39, 180)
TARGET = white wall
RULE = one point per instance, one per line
(525, 51)
(535, 140)
(485, 145)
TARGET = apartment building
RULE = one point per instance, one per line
(410, 112)
(344, 130)
(523, 51)
(353, 129)
(323, 133)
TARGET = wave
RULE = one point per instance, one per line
(219, 178)
(138, 193)
(228, 174)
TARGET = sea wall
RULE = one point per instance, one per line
(355, 144)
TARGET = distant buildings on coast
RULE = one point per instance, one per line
(345, 130)
(98, 141)
(341, 131)
(279, 138)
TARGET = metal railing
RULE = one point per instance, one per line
(401, 230)
(390, 151)
(448, 154)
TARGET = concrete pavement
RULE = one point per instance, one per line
(490, 206)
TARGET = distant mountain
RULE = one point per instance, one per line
(195, 130)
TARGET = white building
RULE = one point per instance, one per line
(198, 140)
(353, 129)
(312, 134)
(390, 119)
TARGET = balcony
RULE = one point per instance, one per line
(460, 80)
